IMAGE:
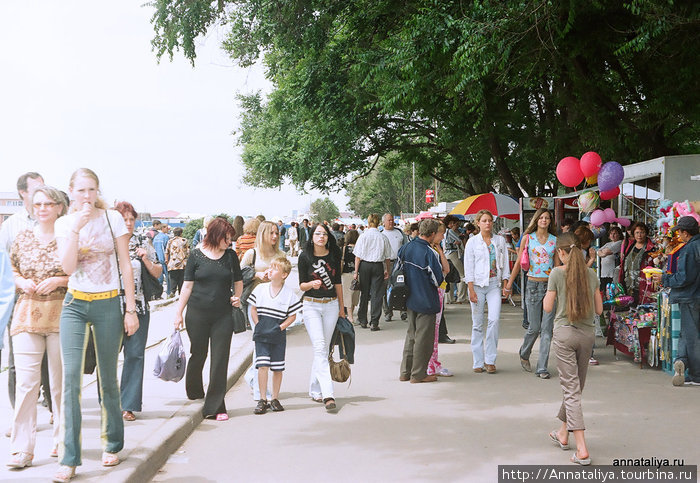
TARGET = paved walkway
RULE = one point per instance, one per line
(458, 429)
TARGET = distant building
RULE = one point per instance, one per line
(10, 203)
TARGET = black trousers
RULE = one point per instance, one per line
(177, 277)
(207, 327)
(442, 329)
(371, 286)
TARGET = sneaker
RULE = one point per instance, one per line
(691, 383)
(404, 316)
(261, 408)
(679, 373)
(593, 361)
(543, 375)
(20, 460)
(276, 406)
(444, 372)
(387, 317)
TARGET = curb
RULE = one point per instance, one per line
(143, 462)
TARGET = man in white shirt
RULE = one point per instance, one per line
(9, 230)
(396, 239)
(372, 257)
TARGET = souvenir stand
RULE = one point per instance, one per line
(669, 330)
(634, 333)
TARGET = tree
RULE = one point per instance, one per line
(390, 189)
(193, 225)
(481, 95)
(323, 209)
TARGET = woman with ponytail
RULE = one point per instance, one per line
(573, 290)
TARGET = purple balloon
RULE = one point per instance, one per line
(610, 176)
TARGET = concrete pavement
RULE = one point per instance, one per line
(457, 429)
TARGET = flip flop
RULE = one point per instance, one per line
(553, 436)
(582, 462)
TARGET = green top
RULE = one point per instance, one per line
(557, 283)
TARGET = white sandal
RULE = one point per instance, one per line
(64, 474)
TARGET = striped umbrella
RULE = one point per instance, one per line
(500, 205)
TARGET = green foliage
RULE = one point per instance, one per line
(191, 228)
(481, 95)
(389, 189)
(323, 209)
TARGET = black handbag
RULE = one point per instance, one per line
(237, 315)
(152, 288)
(453, 275)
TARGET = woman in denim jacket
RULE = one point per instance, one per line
(485, 266)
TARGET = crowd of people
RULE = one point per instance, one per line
(81, 275)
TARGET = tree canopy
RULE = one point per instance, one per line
(323, 209)
(485, 95)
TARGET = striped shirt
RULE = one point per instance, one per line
(272, 311)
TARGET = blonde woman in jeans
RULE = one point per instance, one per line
(573, 295)
(86, 241)
(42, 285)
(320, 280)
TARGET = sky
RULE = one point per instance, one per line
(80, 87)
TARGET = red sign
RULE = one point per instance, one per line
(429, 196)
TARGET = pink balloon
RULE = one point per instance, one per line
(624, 222)
(598, 218)
(610, 194)
(610, 215)
(590, 164)
(569, 172)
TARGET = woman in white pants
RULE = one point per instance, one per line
(320, 280)
(485, 267)
(35, 325)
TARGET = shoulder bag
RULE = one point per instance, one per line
(525, 256)
(340, 371)
(122, 300)
(237, 315)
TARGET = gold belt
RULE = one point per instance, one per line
(89, 297)
(324, 300)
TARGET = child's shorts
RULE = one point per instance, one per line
(270, 355)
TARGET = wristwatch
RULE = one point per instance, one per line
(132, 311)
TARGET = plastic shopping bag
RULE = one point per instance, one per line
(171, 360)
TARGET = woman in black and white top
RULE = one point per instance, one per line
(320, 280)
(210, 271)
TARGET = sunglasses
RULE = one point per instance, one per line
(45, 204)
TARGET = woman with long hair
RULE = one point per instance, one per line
(574, 298)
(212, 269)
(434, 365)
(486, 267)
(41, 283)
(540, 241)
(633, 259)
(93, 244)
(140, 251)
(351, 297)
(264, 251)
(293, 235)
(320, 280)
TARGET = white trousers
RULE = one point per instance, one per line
(320, 320)
(484, 349)
(29, 351)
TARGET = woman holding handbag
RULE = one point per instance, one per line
(485, 266)
(93, 244)
(537, 256)
(141, 254)
(320, 280)
(212, 269)
(350, 296)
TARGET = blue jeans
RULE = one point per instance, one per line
(484, 349)
(165, 276)
(541, 324)
(132, 371)
(282, 238)
(689, 341)
(108, 326)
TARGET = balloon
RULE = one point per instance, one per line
(610, 194)
(597, 218)
(588, 201)
(569, 172)
(590, 164)
(591, 180)
(610, 215)
(598, 231)
(624, 222)
(610, 175)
